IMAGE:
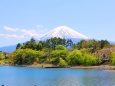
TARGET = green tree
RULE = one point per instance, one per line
(103, 43)
(24, 56)
(39, 46)
(60, 47)
(89, 59)
(18, 46)
(28, 44)
(56, 54)
(47, 52)
(32, 40)
(62, 63)
(11, 58)
(79, 44)
(53, 42)
(74, 58)
(78, 58)
(41, 56)
(112, 58)
(2, 56)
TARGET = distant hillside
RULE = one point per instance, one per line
(112, 42)
(8, 48)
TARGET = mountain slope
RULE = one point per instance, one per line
(8, 48)
(63, 32)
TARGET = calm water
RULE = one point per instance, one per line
(25, 76)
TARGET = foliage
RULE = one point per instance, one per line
(47, 52)
(92, 45)
(41, 56)
(11, 58)
(112, 58)
(62, 63)
(53, 42)
(39, 46)
(89, 59)
(78, 58)
(29, 44)
(57, 54)
(25, 56)
(49, 43)
(58, 51)
(60, 47)
(74, 57)
(18, 46)
(2, 56)
(104, 43)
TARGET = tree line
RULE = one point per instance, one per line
(90, 45)
(58, 51)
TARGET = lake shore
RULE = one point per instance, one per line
(43, 65)
(107, 67)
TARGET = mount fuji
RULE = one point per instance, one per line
(61, 32)
(64, 32)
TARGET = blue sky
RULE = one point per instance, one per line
(22, 19)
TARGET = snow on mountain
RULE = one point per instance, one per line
(63, 32)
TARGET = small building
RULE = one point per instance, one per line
(6, 54)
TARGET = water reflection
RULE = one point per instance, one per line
(23, 76)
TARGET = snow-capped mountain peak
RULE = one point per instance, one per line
(63, 32)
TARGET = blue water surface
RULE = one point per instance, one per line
(27, 76)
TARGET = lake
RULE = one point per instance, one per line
(27, 76)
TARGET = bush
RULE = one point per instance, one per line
(26, 56)
(62, 63)
(57, 54)
(112, 58)
(60, 47)
(2, 56)
(89, 59)
(74, 58)
(77, 58)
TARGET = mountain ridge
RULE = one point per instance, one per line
(9, 48)
(63, 32)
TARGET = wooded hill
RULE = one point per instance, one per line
(60, 52)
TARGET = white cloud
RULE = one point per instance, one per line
(11, 29)
(12, 36)
(2, 35)
(39, 26)
(15, 36)
(23, 33)
(29, 32)
(41, 29)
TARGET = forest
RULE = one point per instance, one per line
(59, 52)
